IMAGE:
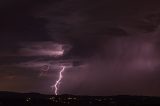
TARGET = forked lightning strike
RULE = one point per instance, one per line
(59, 80)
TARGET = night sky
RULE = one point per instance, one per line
(109, 47)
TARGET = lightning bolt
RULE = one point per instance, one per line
(59, 80)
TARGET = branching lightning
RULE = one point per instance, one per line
(59, 80)
(49, 49)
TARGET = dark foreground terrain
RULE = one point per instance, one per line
(35, 99)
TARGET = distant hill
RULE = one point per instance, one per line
(36, 99)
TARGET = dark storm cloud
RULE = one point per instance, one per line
(18, 23)
(128, 69)
(118, 39)
(115, 44)
(87, 25)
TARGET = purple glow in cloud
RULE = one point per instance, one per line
(44, 49)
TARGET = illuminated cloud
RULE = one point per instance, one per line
(44, 49)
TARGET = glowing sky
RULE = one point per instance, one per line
(109, 47)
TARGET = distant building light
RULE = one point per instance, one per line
(70, 98)
(74, 98)
(52, 98)
(28, 99)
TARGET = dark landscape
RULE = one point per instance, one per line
(36, 99)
